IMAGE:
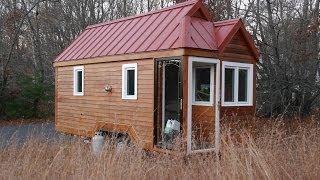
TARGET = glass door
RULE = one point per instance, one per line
(169, 98)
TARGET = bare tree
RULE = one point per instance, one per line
(33, 32)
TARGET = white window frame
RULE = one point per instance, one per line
(75, 80)
(125, 68)
(236, 67)
(203, 103)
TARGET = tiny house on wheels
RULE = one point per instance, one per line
(156, 76)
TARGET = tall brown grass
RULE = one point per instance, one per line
(273, 151)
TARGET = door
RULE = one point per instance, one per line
(168, 99)
(203, 104)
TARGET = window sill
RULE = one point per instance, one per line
(236, 104)
(78, 94)
(129, 98)
(202, 103)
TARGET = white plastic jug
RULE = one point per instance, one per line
(97, 143)
(172, 125)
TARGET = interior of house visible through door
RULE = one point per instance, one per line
(168, 99)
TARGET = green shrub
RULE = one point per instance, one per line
(34, 94)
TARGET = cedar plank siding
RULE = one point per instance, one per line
(239, 51)
(81, 115)
(203, 122)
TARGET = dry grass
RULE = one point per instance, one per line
(277, 151)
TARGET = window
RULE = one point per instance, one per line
(78, 81)
(129, 81)
(243, 85)
(203, 86)
(229, 85)
(237, 84)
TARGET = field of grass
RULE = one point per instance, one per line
(271, 151)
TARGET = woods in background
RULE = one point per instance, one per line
(34, 32)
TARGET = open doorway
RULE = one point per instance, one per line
(168, 99)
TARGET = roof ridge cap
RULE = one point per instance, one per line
(179, 5)
(227, 22)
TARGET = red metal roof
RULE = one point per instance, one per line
(186, 25)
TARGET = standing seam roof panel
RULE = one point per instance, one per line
(146, 34)
(93, 42)
(74, 45)
(106, 41)
(71, 45)
(119, 37)
(121, 40)
(130, 34)
(198, 39)
(163, 36)
(115, 36)
(161, 26)
(155, 28)
(88, 43)
(209, 27)
(164, 30)
(176, 43)
(193, 43)
(222, 33)
(94, 45)
(197, 33)
(104, 37)
(190, 3)
(79, 44)
(203, 32)
(172, 38)
(136, 36)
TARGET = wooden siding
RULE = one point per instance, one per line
(238, 50)
(83, 115)
(237, 111)
(203, 123)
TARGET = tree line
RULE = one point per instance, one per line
(34, 32)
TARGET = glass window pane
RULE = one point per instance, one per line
(79, 81)
(243, 85)
(202, 86)
(130, 82)
(229, 85)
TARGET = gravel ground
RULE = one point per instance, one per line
(21, 133)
